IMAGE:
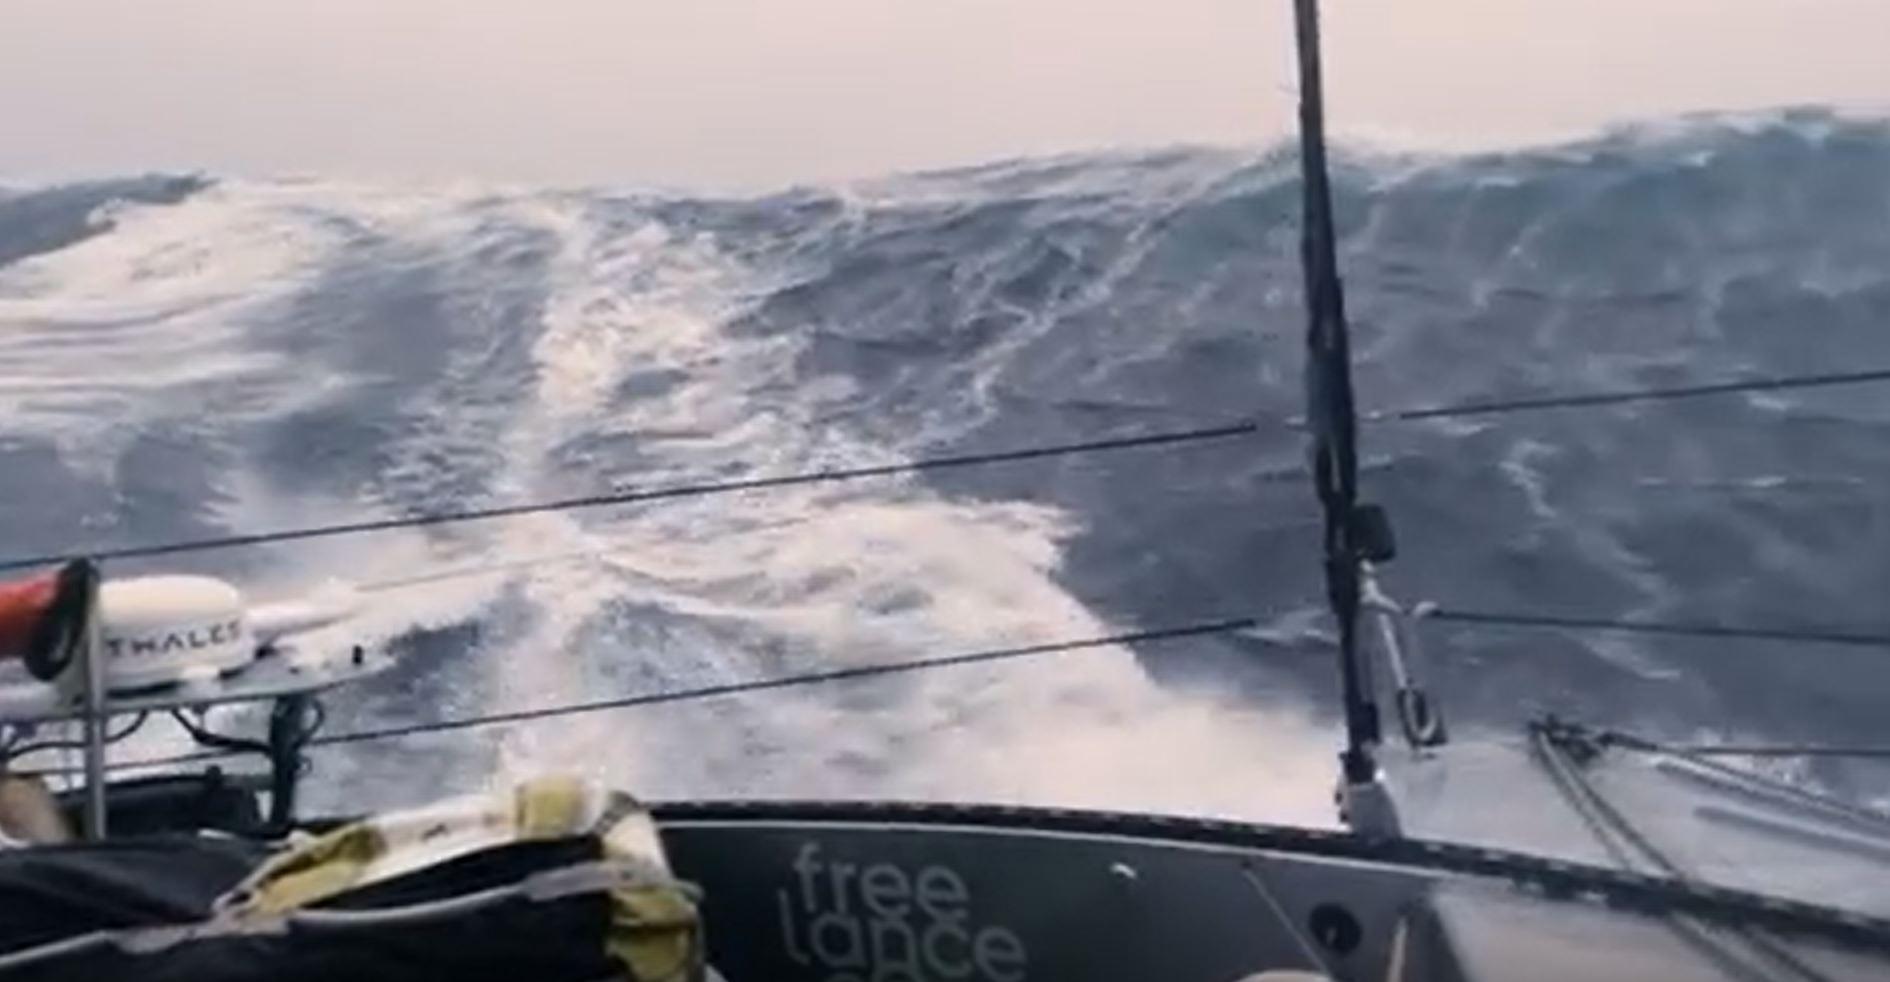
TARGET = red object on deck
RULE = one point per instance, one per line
(22, 604)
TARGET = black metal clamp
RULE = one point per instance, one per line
(294, 720)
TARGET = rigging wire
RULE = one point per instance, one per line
(1778, 750)
(635, 496)
(1160, 634)
(482, 569)
(850, 673)
(1634, 742)
(1771, 384)
(1500, 619)
(831, 475)
(1169, 438)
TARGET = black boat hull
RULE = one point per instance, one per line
(833, 892)
(838, 900)
(886, 892)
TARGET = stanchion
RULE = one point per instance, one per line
(93, 678)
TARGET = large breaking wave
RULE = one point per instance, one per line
(186, 356)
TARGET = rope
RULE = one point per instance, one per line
(734, 688)
(1851, 638)
(9, 753)
(1617, 834)
(1618, 397)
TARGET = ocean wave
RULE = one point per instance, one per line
(182, 356)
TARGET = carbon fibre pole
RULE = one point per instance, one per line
(1329, 410)
(1332, 420)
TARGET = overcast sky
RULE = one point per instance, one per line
(765, 92)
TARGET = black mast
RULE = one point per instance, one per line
(1329, 406)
